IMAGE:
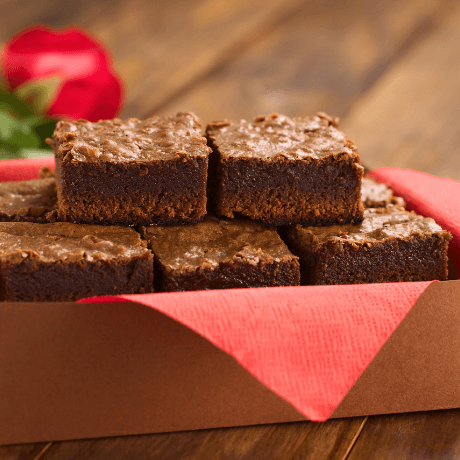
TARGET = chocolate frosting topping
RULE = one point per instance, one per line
(68, 242)
(214, 241)
(277, 136)
(131, 140)
(379, 224)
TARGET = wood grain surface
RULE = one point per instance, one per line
(409, 118)
(424, 435)
(322, 59)
(390, 69)
(287, 441)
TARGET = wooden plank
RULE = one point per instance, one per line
(24, 451)
(421, 436)
(163, 47)
(410, 118)
(323, 58)
(304, 440)
(21, 14)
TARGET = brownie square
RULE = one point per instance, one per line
(131, 172)
(28, 201)
(390, 244)
(63, 261)
(283, 171)
(376, 195)
(220, 254)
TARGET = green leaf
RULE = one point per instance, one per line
(3, 84)
(44, 130)
(11, 152)
(40, 94)
(15, 105)
(22, 132)
(29, 153)
(7, 126)
(17, 132)
(24, 139)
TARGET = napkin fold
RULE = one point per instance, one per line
(307, 344)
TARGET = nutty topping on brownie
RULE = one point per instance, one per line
(378, 224)
(46, 173)
(277, 135)
(69, 242)
(130, 140)
(376, 195)
(214, 241)
(27, 200)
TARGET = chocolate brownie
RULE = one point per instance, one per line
(376, 195)
(131, 172)
(46, 172)
(28, 201)
(220, 254)
(63, 261)
(390, 244)
(283, 171)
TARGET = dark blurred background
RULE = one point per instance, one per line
(389, 68)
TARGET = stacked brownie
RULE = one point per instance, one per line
(305, 175)
(283, 171)
(64, 261)
(133, 198)
(131, 172)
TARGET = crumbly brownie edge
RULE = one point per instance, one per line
(386, 261)
(148, 209)
(59, 281)
(230, 275)
(41, 219)
(286, 207)
(378, 195)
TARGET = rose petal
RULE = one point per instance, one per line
(91, 90)
(84, 99)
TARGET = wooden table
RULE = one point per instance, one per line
(389, 68)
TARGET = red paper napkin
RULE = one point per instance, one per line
(24, 169)
(308, 344)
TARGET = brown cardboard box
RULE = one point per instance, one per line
(70, 371)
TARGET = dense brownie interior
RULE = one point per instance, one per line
(63, 261)
(389, 245)
(132, 172)
(283, 171)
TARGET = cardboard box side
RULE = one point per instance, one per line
(72, 371)
(418, 368)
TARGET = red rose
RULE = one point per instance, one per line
(70, 70)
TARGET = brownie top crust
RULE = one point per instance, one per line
(32, 198)
(214, 241)
(374, 194)
(131, 140)
(277, 136)
(379, 224)
(67, 242)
